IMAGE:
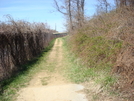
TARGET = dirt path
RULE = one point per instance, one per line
(50, 84)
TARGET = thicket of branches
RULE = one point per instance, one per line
(20, 41)
(121, 3)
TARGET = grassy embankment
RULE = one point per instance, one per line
(12, 85)
(92, 60)
(104, 44)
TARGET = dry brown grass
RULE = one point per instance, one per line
(117, 26)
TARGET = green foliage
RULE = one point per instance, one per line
(92, 59)
(95, 49)
(74, 70)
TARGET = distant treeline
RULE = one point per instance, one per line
(21, 41)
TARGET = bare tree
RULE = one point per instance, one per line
(103, 5)
(65, 9)
(131, 3)
(122, 3)
(73, 10)
(80, 11)
(70, 14)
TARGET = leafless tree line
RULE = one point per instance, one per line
(121, 3)
(105, 5)
(74, 10)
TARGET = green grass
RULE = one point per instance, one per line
(12, 85)
(96, 62)
(75, 71)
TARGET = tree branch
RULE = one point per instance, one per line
(58, 8)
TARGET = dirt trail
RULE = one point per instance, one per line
(50, 84)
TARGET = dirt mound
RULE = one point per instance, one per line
(125, 67)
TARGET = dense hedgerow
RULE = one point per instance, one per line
(21, 41)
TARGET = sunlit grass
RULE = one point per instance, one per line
(97, 70)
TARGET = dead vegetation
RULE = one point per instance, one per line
(115, 27)
(21, 41)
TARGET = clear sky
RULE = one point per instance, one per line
(38, 11)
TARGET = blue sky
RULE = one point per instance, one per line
(38, 11)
